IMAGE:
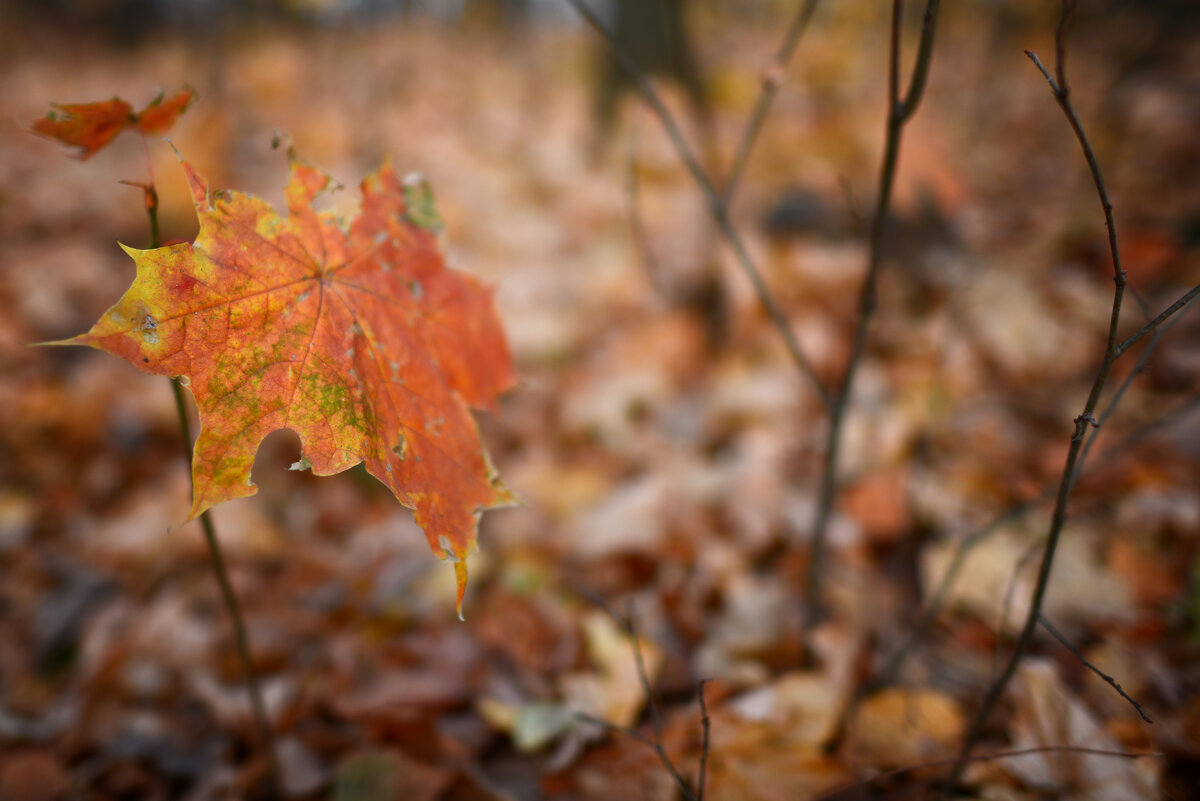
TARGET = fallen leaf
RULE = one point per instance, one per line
(1082, 590)
(614, 692)
(354, 334)
(898, 727)
(387, 775)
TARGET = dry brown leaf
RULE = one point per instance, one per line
(899, 727)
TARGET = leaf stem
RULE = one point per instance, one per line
(216, 555)
(262, 722)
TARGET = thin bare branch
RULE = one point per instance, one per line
(706, 724)
(1149, 327)
(1058, 635)
(656, 742)
(637, 226)
(716, 206)
(772, 80)
(1061, 93)
(933, 609)
(898, 113)
(258, 708)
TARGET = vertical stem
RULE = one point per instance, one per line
(706, 724)
(1085, 419)
(217, 557)
(262, 722)
(898, 113)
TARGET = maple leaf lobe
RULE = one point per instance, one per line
(311, 323)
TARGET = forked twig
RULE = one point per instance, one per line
(656, 742)
(900, 110)
(716, 205)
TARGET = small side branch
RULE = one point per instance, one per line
(1149, 327)
(1058, 635)
(656, 741)
(716, 205)
(771, 83)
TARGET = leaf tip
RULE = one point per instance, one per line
(460, 576)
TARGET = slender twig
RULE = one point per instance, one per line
(1010, 590)
(1187, 298)
(258, 708)
(656, 742)
(1061, 91)
(706, 725)
(637, 227)
(716, 206)
(887, 674)
(899, 111)
(1058, 635)
(772, 80)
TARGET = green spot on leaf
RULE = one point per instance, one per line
(420, 208)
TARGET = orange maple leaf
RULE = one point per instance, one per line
(354, 334)
(91, 126)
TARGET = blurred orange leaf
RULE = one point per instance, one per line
(91, 126)
(354, 334)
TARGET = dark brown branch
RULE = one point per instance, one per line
(656, 742)
(1058, 635)
(1058, 519)
(716, 206)
(771, 83)
(933, 609)
(898, 113)
(1149, 327)
(706, 725)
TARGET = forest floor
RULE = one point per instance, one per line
(666, 451)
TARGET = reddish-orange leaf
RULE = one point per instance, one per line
(91, 126)
(160, 115)
(354, 334)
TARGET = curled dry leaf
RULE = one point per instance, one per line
(354, 334)
(91, 126)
